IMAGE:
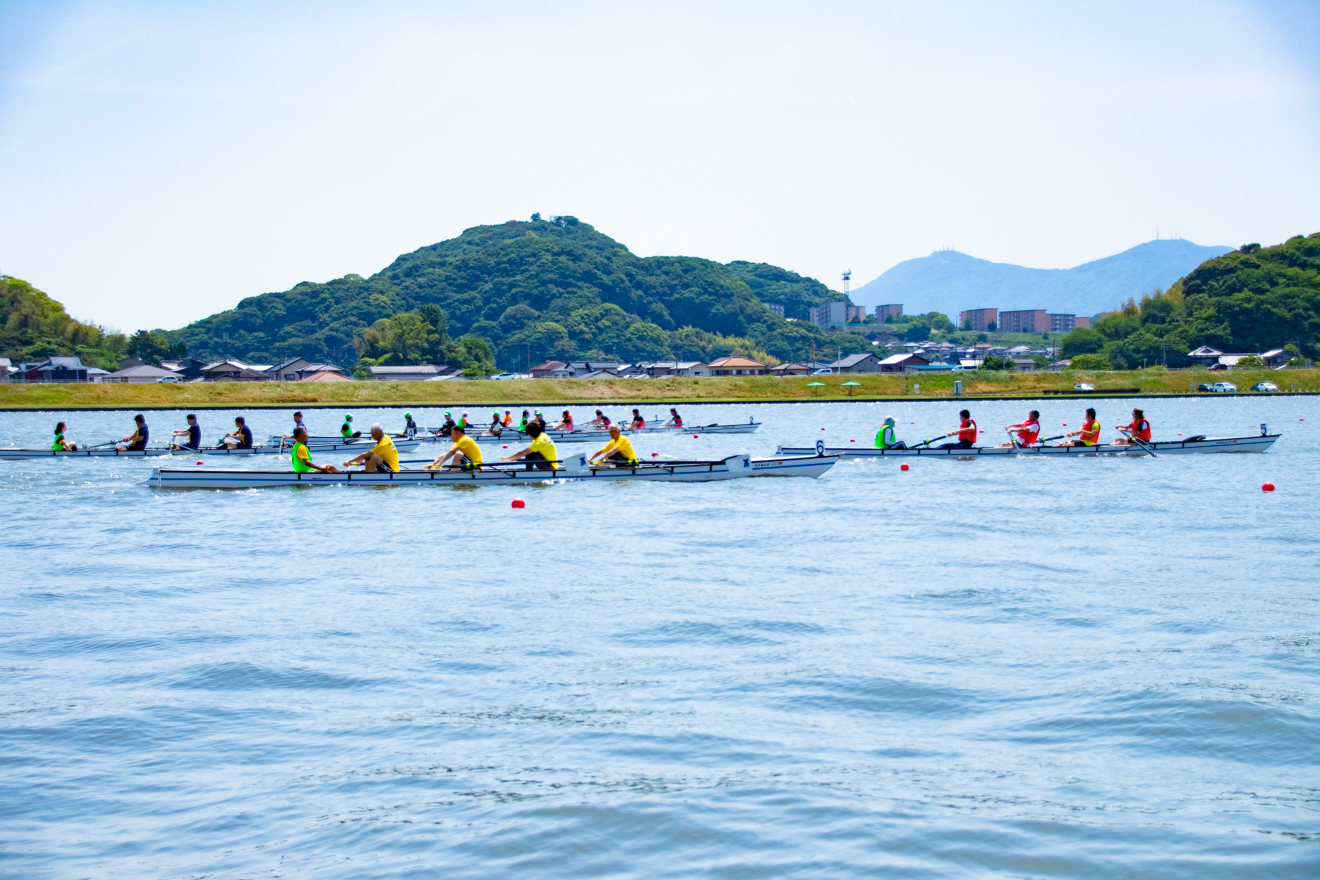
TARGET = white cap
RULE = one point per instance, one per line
(376, 426)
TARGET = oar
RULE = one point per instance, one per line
(933, 439)
(103, 445)
(1141, 444)
(1042, 442)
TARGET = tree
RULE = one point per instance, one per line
(645, 341)
(996, 363)
(1091, 362)
(1250, 361)
(1082, 341)
(152, 346)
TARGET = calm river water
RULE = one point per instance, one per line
(1011, 668)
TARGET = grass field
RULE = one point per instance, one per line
(573, 391)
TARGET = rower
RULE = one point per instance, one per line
(675, 420)
(966, 433)
(496, 426)
(409, 426)
(508, 418)
(1138, 429)
(297, 423)
(885, 438)
(61, 444)
(381, 458)
(1090, 433)
(637, 423)
(194, 434)
(346, 431)
(618, 451)
(541, 455)
(539, 418)
(137, 441)
(464, 423)
(448, 427)
(240, 437)
(566, 423)
(601, 420)
(302, 457)
(465, 453)
(1028, 431)
(522, 426)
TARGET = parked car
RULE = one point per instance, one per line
(823, 371)
(505, 377)
(1205, 387)
(1264, 386)
(169, 380)
(1225, 388)
(1083, 386)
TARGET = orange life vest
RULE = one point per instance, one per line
(1091, 432)
(1029, 432)
(1140, 428)
(967, 431)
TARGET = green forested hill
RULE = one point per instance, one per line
(530, 290)
(33, 327)
(1251, 299)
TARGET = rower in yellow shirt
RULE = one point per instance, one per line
(619, 450)
(464, 452)
(541, 455)
(382, 457)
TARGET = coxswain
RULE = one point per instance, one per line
(637, 422)
(346, 431)
(618, 451)
(302, 457)
(465, 453)
(137, 441)
(966, 433)
(566, 423)
(1139, 429)
(409, 426)
(381, 458)
(601, 420)
(61, 444)
(240, 437)
(1090, 433)
(675, 420)
(1028, 431)
(539, 418)
(541, 455)
(496, 426)
(194, 434)
(508, 418)
(464, 423)
(885, 438)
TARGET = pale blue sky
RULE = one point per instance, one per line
(159, 162)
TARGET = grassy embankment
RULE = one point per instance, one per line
(572, 391)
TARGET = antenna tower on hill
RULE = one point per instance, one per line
(847, 276)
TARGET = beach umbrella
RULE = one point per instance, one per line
(815, 385)
(851, 385)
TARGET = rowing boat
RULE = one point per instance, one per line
(576, 468)
(354, 446)
(582, 435)
(13, 454)
(1191, 445)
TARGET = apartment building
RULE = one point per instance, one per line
(980, 320)
(1024, 321)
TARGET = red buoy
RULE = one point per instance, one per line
(654, 454)
(903, 466)
(852, 441)
(506, 446)
(1267, 487)
(199, 462)
(694, 436)
(518, 504)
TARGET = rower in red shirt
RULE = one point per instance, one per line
(1027, 432)
(1139, 428)
(966, 433)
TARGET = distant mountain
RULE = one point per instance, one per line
(950, 282)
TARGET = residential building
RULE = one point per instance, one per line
(1080, 323)
(737, 366)
(866, 362)
(1205, 356)
(1275, 358)
(837, 313)
(411, 373)
(189, 368)
(1024, 321)
(230, 370)
(142, 374)
(980, 320)
(777, 308)
(897, 363)
(325, 376)
(550, 370)
(58, 370)
(677, 368)
(892, 310)
(791, 369)
(1024, 364)
(578, 369)
(288, 370)
(6, 367)
(1062, 323)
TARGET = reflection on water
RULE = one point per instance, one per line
(1017, 668)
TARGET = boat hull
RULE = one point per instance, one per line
(25, 454)
(794, 465)
(1259, 443)
(313, 447)
(593, 435)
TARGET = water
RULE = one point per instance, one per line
(1008, 668)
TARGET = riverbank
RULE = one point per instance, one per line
(980, 385)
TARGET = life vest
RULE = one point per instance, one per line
(678, 421)
(885, 438)
(299, 465)
(1091, 432)
(1140, 428)
(968, 431)
(346, 431)
(58, 445)
(1030, 432)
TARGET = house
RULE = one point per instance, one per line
(6, 367)
(190, 368)
(1275, 358)
(325, 376)
(1024, 364)
(288, 370)
(551, 370)
(52, 370)
(737, 366)
(411, 373)
(598, 374)
(1205, 356)
(691, 368)
(792, 369)
(867, 362)
(1060, 366)
(578, 369)
(898, 363)
(230, 370)
(142, 374)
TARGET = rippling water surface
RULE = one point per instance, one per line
(1008, 668)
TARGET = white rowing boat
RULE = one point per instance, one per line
(353, 446)
(576, 468)
(582, 435)
(159, 451)
(12, 454)
(1192, 445)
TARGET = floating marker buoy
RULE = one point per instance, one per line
(518, 504)
(1267, 487)
(903, 466)
(822, 429)
(654, 454)
(694, 436)
(1180, 433)
(852, 441)
(506, 446)
(199, 462)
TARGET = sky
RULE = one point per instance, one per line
(159, 162)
